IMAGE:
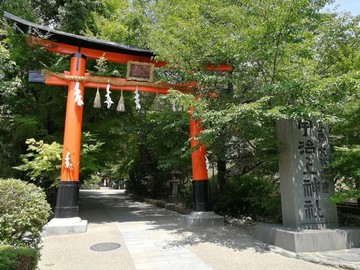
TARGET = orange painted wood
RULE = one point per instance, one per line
(220, 68)
(198, 159)
(73, 123)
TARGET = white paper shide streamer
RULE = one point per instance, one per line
(78, 96)
(137, 99)
(67, 161)
(121, 105)
(108, 100)
(207, 162)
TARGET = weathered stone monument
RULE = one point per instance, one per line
(309, 217)
(305, 192)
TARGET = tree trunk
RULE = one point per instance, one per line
(221, 179)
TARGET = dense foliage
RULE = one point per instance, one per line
(23, 213)
(289, 59)
(18, 258)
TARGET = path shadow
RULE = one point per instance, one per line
(106, 206)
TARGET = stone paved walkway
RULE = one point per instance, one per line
(150, 248)
(154, 238)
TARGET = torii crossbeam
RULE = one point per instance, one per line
(80, 48)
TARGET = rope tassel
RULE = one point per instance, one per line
(121, 105)
(156, 104)
(97, 100)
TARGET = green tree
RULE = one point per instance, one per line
(42, 162)
(344, 167)
(289, 61)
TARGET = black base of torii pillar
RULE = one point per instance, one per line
(67, 200)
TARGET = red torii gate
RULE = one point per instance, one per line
(80, 48)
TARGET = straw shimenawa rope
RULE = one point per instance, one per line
(115, 83)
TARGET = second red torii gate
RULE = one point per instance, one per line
(80, 48)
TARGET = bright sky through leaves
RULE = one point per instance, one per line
(352, 6)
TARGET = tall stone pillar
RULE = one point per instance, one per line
(309, 218)
(305, 191)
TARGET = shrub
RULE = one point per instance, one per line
(23, 212)
(92, 183)
(251, 195)
(19, 258)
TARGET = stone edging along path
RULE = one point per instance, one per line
(163, 204)
(244, 222)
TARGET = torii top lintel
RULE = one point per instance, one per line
(66, 43)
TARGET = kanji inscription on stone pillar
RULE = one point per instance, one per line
(305, 191)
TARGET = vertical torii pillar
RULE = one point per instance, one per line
(68, 192)
(67, 202)
(202, 214)
(199, 170)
